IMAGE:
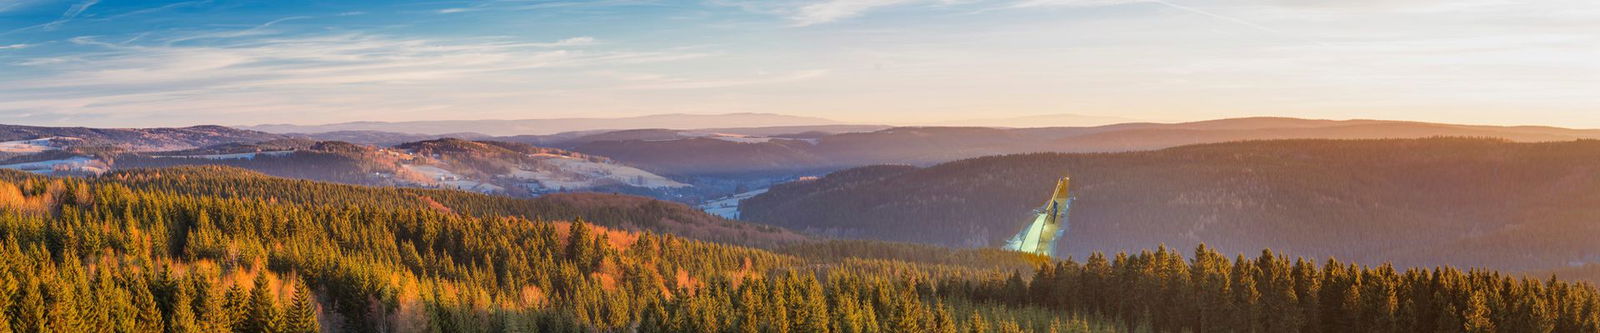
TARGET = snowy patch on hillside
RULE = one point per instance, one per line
(73, 164)
(728, 207)
(468, 185)
(238, 156)
(447, 179)
(28, 146)
(740, 138)
(562, 172)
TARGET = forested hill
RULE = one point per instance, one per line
(220, 250)
(611, 210)
(1467, 202)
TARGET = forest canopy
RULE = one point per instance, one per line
(224, 250)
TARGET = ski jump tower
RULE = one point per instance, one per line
(1039, 237)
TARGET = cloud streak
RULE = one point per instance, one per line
(328, 71)
(71, 13)
(834, 10)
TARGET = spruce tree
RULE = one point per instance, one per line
(148, 318)
(301, 316)
(181, 317)
(262, 315)
(977, 324)
(1475, 316)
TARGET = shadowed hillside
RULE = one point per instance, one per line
(1476, 202)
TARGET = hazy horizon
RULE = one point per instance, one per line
(1018, 121)
(897, 62)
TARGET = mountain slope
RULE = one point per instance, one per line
(1430, 201)
(480, 166)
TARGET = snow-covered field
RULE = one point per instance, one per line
(472, 186)
(448, 179)
(76, 163)
(27, 146)
(728, 207)
(740, 138)
(238, 156)
(576, 173)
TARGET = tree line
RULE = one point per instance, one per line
(1164, 292)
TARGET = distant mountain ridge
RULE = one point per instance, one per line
(140, 139)
(670, 152)
(507, 127)
(1046, 120)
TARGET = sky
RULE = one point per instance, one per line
(111, 63)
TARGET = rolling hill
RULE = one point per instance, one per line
(1465, 202)
(135, 139)
(481, 166)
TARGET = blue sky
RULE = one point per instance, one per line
(155, 63)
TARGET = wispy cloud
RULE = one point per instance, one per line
(71, 13)
(804, 13)
(258, 30)
(1235, 20)
(1074, 3)
(515, 5)
(13, 46)
(833, 10)
(9, 4)
(332, 59)
(170, 6)
(164, 77)
(569, 42)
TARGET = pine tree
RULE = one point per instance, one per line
(181, 317)
(1246, 300)
(8, 289)
(301, 316)
(30, 311)
(943, 321)
(1475, 317)
(1007, 326)
(235, 308)
(262, 314)
(581, 248)
(148, 318)
(63, 309)
(977, 324)
(210, 315)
